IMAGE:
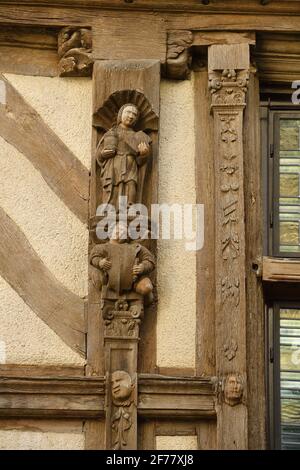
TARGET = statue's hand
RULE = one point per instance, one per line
(137, 269)
(143, 148)
(104, 264)
(108, 153)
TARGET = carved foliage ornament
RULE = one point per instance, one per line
(228, 87)
(74, 52)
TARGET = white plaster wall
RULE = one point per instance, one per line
(24, 338)
(54, 232)
(176, 443)
(176, 270)
(28, 440)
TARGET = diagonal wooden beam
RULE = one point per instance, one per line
(22, 268)
(22, 127)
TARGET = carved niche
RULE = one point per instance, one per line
(74, 52)
(125, 123)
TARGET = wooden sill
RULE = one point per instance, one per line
(281, 269)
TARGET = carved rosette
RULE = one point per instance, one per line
(74, 52)
(179, 56)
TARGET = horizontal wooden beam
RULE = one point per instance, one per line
(36, 370)
(84, 397)
(55, 397)
(22, 268)
(162, 396)
(280, 16)
(195, 6)
(281, 269)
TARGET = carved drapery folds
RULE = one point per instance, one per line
(74, 52)
(179, 56)
(228, 80)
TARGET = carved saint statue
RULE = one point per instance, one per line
(124, 267)
(122, 154)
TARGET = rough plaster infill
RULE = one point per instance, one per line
(27, 440)
(176, 270)
(54, 232)
(65, 104)
(176, 443)
(25, 339)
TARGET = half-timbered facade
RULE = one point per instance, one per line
(149, 343)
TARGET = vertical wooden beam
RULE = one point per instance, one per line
(256, 393)
(205, 339)
(228, 67)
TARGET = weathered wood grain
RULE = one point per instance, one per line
(53, 396)
(22, 127)
(205, 258)
(195, 6)
(29, 370)
(21, 267)
(129, 42)
(280, 269)
(254, 295)
(161, 396)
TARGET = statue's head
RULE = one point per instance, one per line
(128, 115)
(121, 385)
(233, 390)
(119, 232)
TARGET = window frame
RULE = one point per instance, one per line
(275, 114)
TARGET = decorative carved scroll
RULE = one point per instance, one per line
(74, 52)
(179, 56)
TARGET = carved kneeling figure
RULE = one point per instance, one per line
(124, 266)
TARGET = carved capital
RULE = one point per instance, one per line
(228, 87)
(74, 52)
(179, 56)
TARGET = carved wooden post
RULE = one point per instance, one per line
(125, 141)
(228, 80)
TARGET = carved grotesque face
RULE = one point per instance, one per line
(129, 116)
(119, 233)
(121, 385)
(233, 390)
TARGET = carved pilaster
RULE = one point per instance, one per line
(124, 165)
(179, 56)
(74, 52)
(228, 87)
